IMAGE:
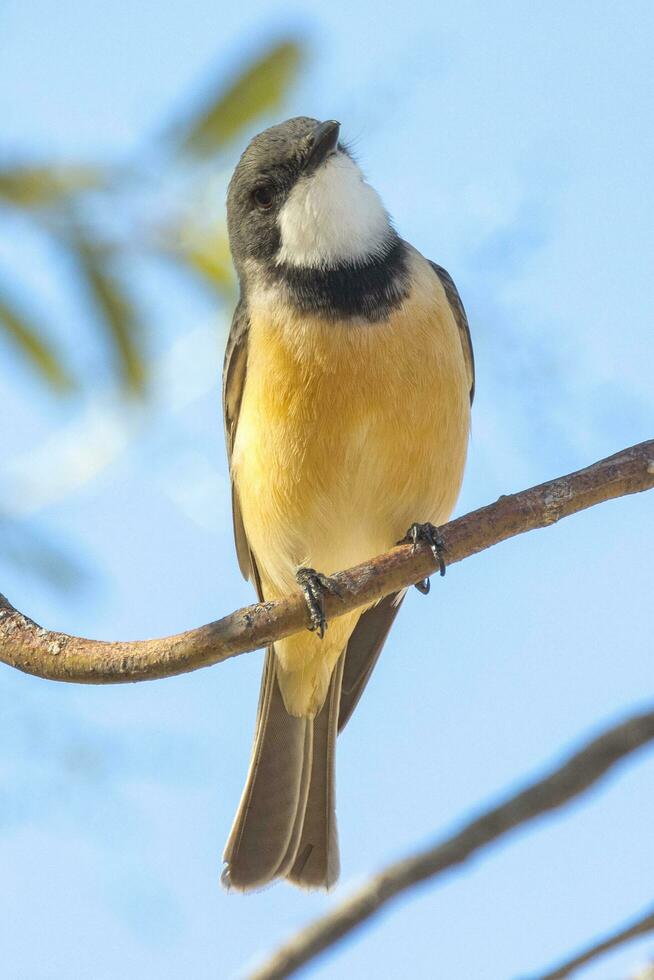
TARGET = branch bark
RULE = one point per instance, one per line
(561, 785)
(58, 656)
(639, 927)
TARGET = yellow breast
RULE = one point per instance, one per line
(348, 431)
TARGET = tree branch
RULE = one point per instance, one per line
(576, 775)
(58, 656)
(639, 927)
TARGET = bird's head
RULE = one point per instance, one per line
(297, 199)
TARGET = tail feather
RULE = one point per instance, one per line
(286, 821)
(290, 853)
(317, 864)
(275, 791)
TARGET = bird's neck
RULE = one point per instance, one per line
(368, 288)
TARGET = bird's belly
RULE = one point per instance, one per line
(346, 435)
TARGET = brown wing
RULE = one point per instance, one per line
(456, 305)
(234, 372)
(362, 653)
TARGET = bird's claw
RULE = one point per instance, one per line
(315, 586)
(430, 534)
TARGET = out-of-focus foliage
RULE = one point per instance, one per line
(207, 253)
(92, 213)
(27, 186)
(259, 89)
(31, 340)
(115, 310)
(104, 221)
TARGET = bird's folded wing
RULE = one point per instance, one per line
(234, 372)
(459, 312)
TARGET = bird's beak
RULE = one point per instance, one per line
(325, 141)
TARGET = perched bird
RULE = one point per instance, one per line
(347, 388)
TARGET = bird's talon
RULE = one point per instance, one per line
(315, 585)
(432, 536)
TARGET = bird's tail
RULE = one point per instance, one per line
(285, 826)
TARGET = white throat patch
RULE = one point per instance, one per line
(332, 216)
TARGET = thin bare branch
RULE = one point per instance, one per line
(58, 656)
(558, 787)
(638, 927)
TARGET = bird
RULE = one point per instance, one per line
(347, 389)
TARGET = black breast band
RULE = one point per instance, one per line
(368, 289)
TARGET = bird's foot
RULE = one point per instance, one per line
(315, 586)
(432, 536)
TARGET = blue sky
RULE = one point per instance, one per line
(513, 144)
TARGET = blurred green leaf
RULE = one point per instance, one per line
(114, 306)
(214, 272)
(208, 256)
(258, 89)
(100, 231)
(29, 186)
(28, 337)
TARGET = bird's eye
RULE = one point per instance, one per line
(263, 197)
